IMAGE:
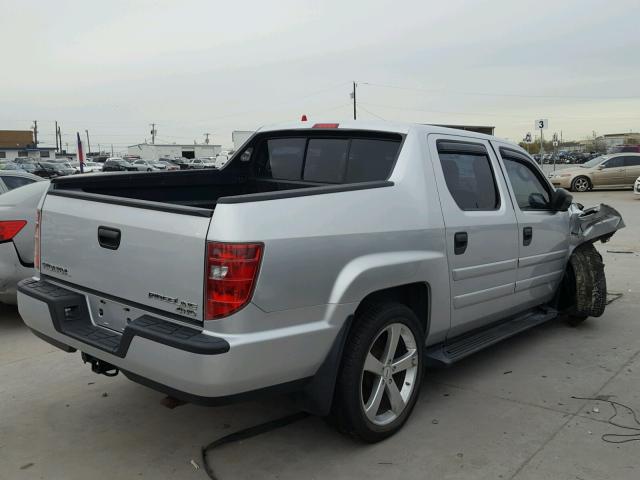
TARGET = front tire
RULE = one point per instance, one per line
(580, 184)
(381, 372)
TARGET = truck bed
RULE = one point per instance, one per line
(200, 188)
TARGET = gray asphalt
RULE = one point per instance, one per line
(506, 413)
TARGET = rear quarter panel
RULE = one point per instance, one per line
(337, 248)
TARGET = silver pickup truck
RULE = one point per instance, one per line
(331, 262)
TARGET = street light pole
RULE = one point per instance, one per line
(353, 95)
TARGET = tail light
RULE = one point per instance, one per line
(36, 250)
(232, 269)
(10, 228)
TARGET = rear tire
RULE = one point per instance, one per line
(381, 372)
(580, 184)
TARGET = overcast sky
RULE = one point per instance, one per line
(194, 66)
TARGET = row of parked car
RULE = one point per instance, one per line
(62, 166)
(566, 157)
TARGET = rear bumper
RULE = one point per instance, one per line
(199, 366)
(11, 272)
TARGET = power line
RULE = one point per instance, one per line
(448, 112)
(370, 112)
(490, 94)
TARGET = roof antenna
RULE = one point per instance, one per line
(304, 118)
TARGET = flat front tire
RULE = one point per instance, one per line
(381, 372)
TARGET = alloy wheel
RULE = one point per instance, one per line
(581, 184)
(389, 374)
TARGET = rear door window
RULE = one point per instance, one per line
(470, 179)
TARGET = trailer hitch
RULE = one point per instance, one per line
(100, 366)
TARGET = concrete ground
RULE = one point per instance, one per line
(505, 413)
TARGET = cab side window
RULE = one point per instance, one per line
(530, 190)
(469, 176)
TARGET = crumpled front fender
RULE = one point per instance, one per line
(592, 224)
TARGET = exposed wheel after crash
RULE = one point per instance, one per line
(330, 262)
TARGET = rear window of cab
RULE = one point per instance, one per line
(336, 158)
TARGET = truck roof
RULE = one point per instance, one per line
(380, 126)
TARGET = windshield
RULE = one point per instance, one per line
(593, 162)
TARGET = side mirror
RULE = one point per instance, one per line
(601, 166)
(561, 200)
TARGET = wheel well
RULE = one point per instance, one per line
(413, 295)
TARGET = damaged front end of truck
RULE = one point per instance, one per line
(583, 292)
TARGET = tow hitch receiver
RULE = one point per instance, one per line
(100, 366)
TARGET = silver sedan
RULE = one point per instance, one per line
(17, 230)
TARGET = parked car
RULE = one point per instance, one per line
(90, 167)
(608, 171)
(118, 165)
(51, 170)
(181, 162)
(148, 165)
(168, 165)
(197, 163)
(10, 166)
(17, 227)
(328, 261)
(10, 179)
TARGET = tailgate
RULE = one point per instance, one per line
(140, 256)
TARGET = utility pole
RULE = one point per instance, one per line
(35, 132)
(112, 149)
(353, 95)
(59, 136)
(206, 138)
(153, 133)
(88, 142)
(57, 149)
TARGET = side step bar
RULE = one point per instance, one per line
(461, 347)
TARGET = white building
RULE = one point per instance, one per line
(618, 139)
(41, 153)
(155, 151)
(239, 137)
